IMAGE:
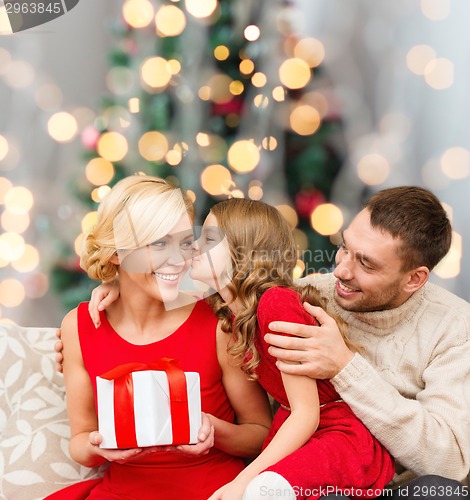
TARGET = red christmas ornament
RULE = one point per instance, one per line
(307, 201)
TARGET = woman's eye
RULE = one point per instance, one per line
(158, 244)
(187, 245)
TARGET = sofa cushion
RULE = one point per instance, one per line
(34, 429)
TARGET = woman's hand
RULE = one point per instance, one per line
(101, 297)
(206, 440)
(119, 456)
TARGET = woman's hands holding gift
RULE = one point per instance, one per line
(205, 436)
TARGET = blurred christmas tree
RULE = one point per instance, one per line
(220, 97)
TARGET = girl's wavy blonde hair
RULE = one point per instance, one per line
(263, 253)
(138, 210)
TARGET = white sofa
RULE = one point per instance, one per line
(34, 429)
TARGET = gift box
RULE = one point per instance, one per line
(148, 404)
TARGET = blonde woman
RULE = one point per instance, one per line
(144, 233)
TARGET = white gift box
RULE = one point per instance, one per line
(151, 409)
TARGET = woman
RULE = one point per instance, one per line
(144, 233)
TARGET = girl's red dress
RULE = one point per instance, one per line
(342, 455)
(162, 475)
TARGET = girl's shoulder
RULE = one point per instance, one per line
(277, 295)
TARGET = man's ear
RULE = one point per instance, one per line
(416, 278)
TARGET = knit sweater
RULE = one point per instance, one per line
(410, 384)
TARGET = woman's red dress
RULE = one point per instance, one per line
(163, 475)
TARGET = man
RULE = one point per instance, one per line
(410, 381)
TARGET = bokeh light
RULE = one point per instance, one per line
(311, 51)
(99, 171)
(18, 200)
(252, 33)
(279, 94)
(418, 57)
(201, 8)
(134, 105)
(89, 221)
(5, 186)
(289, 214)
(12, 293)
(12, 246)
(269, 143)
(294, 73)
(28, 261)
(221, 52)
(170, 20)
(455, 163)
(246, 66)
(304, 119)
(236, 87)
(112, 146)
(5, 26)
(155, 72)
(48, 97)
(3, 147)
(439, 73)
(138, 13)
(259, 79)
(373, 169)
(216, 180)
(15, 222)
(436, 10)
(219, 85)
(153, 146)
(20, 74)
(327, 219)
(62, 127)
(243, 156)
(449, 266)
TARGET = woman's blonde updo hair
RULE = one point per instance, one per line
(138, 210)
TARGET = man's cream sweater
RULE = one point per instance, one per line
(410, 384)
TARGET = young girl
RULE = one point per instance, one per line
(316, 446)
(144, 233)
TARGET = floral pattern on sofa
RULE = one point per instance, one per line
(34, 429)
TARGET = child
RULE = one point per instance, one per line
(316, 442)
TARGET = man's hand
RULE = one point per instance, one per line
(59, 346)
(319, 352)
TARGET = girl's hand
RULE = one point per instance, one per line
(101, 297)
(231, 491)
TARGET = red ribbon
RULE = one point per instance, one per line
(124, 423)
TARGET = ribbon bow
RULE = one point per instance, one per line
(124, 400)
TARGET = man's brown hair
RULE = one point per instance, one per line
(417, 217)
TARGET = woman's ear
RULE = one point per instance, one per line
(115, 259)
